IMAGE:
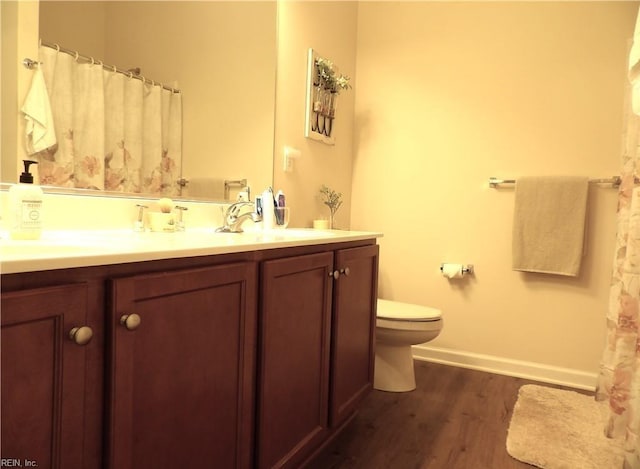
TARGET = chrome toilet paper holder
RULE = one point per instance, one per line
(465, 270)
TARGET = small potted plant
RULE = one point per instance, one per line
(331, 199)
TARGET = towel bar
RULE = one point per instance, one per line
(240, 183)
(613, 180)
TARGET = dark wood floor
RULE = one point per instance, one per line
(455, 419)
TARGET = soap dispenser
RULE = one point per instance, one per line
(268, 204)
(25, 205)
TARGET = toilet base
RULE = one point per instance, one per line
(394, 369)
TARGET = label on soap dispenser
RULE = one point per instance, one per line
(26, 219)
(29, 214)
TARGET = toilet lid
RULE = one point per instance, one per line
(406, 312)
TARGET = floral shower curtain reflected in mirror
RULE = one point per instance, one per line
(619, 377)
(113, 132)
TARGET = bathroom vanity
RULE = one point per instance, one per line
(184, 350)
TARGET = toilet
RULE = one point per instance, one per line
(398, 327)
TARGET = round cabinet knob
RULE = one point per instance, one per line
(130, 321)
(81, 335)
(335, 274)
(346, 271)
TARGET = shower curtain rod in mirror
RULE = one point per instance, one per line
(30, 63)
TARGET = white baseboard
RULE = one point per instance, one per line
(506, 366)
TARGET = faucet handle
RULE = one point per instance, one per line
(138, 225)
(179, 221)
(234, 209)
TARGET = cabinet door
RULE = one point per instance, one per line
(294, 358)
(43, 376)
(353, 330)
(182, 366)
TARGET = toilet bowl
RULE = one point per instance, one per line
(398, 327)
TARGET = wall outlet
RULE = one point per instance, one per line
(287, 165)
(290, 154)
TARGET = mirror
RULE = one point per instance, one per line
(220, 54)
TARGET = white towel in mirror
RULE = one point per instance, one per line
(40, 131)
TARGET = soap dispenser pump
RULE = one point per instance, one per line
(25, 204)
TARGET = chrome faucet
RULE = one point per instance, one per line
(233, 219)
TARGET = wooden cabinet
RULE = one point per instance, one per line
(295, 320)
(317, 324)
(238, 360)
(43, 376)
(181, 371)
(353, 329)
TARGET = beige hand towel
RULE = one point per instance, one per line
(39, 129)
(549, 224)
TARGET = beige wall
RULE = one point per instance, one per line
(19, 40)
(75, 25)
(330, 29)
(8, 83)
(448, 94)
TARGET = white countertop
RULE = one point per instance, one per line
(61, 249)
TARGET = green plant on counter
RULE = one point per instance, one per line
(331, 199)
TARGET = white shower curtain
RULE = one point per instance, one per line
(114, 132)
(619, 378)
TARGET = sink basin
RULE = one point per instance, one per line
(301, 233)
(13, 249)
(308, 233)
(281, 233)
(54, 244)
